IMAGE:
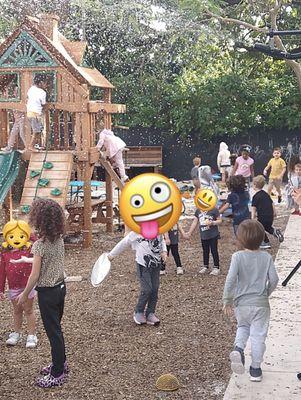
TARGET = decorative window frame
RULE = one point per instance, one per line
(12, 99)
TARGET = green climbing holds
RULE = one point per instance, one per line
(43, 182)
(48, 165)
(56, 192)
(25, 209)
(34, 173)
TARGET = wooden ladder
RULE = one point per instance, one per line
(108, 167)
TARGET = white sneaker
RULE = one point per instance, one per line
(13, 338)
(6, 149)
(180, 271)
(204, 270)
(31, 341)
(215, 271)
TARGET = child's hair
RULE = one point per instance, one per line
(48, 218)
(233, 158)
(277, 149)
(259, 181)
(196, 161)
(237, 183)
(292, 162)
(250, 234)
(298, 165)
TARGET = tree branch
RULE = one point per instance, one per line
(227, 20)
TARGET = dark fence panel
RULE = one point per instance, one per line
(178, 153)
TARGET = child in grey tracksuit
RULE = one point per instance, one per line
(149, 255)
(251, 279)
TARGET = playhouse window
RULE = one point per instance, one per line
(50, 78)
(9, 87)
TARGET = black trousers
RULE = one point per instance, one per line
(174, 249)
(267, 223)
(51, 303)
(210, 244)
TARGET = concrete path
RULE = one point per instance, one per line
(283, 355)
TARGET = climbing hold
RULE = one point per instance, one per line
(56, 192)
(43, 182)
(167, 383)
(34, 173)
(25, 209)
(48, 165)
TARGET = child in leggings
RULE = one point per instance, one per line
(208, 222)
(172, 243)
(47, 276)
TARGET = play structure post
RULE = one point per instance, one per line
(109, 203)
(87, 234)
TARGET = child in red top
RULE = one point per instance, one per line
(16, 273)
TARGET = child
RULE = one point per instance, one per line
(233, 158)
(208, 222)
(294, 183)
(17, 234)
(149, 254)
(238, 199)
(278, 168)
(244, 165)
(47, 275)
(114, 147)
(172, 242)
(263, 206)
(206, 179)
(251, 279)
(36, 100)
(223, 161)
(195, 174)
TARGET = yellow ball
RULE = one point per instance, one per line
(150, 204)
(205, 200)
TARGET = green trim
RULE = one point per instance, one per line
(26, 52)
(12, 99)
(50, 99)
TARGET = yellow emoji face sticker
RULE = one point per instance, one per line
(205, 200)
(150, 204)
(16, 234)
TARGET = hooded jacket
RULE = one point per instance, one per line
(223, 157)
(110, 142)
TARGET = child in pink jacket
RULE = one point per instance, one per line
(114, 147)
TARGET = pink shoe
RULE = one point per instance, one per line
(47, 370)
(49, 381)
(151, 319)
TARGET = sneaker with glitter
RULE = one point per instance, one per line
(47, 370)
(49, 381)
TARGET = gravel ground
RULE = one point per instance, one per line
(112, 358)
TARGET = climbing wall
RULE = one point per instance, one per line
(53, 178)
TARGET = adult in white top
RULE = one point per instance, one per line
(223, 161)
(36, 100)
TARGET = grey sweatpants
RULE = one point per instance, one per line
(149, 286)
(253, 323)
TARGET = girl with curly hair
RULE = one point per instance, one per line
(239, 200)
(47, 276)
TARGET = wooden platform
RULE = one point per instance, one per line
(143, 156)
(59, 177)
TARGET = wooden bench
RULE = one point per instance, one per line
(75, 221)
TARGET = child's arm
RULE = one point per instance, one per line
(181, 230)
(32, 280)
(252, 170)
(218, 221)
(272, 277)
(234, 168)
(2, 277)
(274, 211)
(193, 226)
(23, 259)
(230, 286)
(265, 171)
(120, 247)
(224, 207)
(166, 238)
(253, 212)
(282, 173)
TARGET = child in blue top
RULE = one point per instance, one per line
(239, 200)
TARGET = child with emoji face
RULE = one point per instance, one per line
(15, 269)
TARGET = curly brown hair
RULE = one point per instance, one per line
(237, 183)
(48, 218)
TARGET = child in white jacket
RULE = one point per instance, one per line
(223, 161)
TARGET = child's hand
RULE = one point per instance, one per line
(265, 172)
(22, 299)
(209, 222)
(164, 256)
(22, 259)
(167, 241)
(228, 310)
(2, 297)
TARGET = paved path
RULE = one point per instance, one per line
(282, 359)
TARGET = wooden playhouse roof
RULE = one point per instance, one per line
(67, 53)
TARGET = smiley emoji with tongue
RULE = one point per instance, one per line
(150, 204)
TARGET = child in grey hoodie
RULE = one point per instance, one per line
(251, 279)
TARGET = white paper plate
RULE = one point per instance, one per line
(100, 270)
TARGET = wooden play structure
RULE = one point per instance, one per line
(37, 47)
